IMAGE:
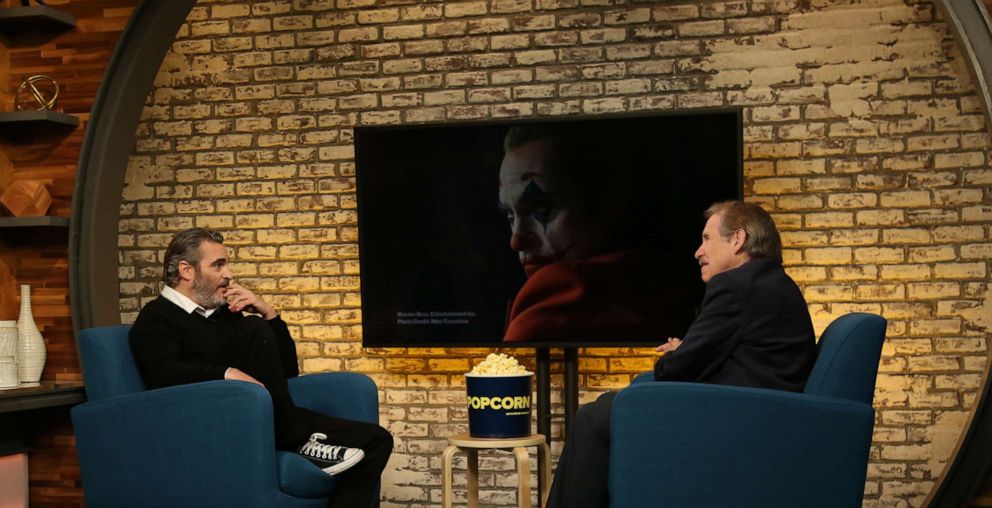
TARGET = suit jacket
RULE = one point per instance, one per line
(753, 330)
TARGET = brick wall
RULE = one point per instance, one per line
(862, 134)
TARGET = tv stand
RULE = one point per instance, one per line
(570, 388)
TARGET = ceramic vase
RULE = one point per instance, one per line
(30, 345)
(8, 354)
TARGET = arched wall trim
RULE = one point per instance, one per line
(93, 277)
(93, 280)
(969, 22)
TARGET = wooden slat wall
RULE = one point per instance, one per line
(39, 257)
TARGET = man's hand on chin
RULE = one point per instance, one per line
(241, 299)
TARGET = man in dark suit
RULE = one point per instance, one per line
(753, 330)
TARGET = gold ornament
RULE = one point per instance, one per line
(44, 97)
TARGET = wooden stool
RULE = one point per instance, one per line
(471, 446)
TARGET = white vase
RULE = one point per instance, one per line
(8, 354)
(30, 345)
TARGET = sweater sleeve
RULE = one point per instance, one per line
(287, 347)
(156, 350)
(710, 339)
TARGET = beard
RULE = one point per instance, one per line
(205, 294)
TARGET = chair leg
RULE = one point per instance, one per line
(523, 476)
(446, 461)
(473, 478)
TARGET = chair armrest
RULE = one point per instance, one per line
(185, 445)
(342, 394)
(643, 377)
(708, 445)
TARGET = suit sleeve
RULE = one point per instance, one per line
(710, 339)
(156, 351)
(287, 347)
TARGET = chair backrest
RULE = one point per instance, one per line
(847, 360)
(108, 365)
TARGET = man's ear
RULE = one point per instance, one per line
(186, 271)
(738, 240)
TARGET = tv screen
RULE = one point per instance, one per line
(539, 233)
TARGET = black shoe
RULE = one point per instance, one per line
(331, 459)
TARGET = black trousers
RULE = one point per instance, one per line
(251, 347)
(583, 468)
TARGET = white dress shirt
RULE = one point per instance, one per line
(184, 302)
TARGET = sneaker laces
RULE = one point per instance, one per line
(315, 448)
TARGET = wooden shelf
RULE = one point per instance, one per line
(34, 222)
(37, 119)
(45, 394)
(33, 24)
(41, 127)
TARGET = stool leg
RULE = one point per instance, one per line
(449, 452)
(523, 476)
(473, 478)
(544, 470)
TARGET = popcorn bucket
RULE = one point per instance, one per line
(499, 405)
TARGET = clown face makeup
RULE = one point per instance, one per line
(548, 219)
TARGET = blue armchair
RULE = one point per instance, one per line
(203, 444)
(686, 444)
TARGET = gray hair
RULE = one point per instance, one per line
(185, 246)
(763, 240)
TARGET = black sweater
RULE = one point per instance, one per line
(173, 347)
(753, 330)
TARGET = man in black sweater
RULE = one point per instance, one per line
(196, 331)
(753, 330)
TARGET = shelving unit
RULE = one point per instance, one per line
(44, 145)
(41, 118)
(33, 222)
(27, 137)
(24, 406)
(33, 24)
(21, 127)
(42, 395)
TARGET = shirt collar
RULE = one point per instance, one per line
(184, 303)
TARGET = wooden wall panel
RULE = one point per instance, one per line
(53, 471)
(76, 60)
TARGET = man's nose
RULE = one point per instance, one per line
(522, 238)
(518, 241)
(699, 252)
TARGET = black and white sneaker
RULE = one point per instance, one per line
(331, 459)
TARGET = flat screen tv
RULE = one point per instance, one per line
(569, 232)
